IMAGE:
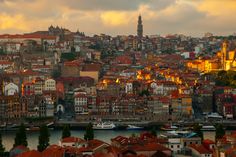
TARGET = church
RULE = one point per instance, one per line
(227, 57)
(223, 60)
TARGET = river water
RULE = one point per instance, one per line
(104, 135)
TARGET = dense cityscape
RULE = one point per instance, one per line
(167, 92)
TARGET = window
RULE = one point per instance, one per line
(185, 144)
(177, 146)
(171, 146)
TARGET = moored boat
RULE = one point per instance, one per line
(208, 128)
(133, 127)
(33, 129)
(104, 126)
(169, 128)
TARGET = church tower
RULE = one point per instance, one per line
(140, 27)
(224, 54)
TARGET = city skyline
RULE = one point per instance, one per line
(119, 17)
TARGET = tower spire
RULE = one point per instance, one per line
(140, 27)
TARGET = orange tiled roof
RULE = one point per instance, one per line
(149, 147)
(32, 153)
(25, 36)
(207, 141)
(2, 62)
(71, 140)
(53, 150)
(200, 148)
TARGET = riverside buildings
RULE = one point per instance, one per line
(130, 77)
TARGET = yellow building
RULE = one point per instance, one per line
(224, 60)
(228, 58)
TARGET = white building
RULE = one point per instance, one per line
(163, 88)
(50, 85)
(129, 87)
(80, 103)
(11, 89)
(128, 73)
(38, 86)
(5, 64)
(49, 106)
(72, 142)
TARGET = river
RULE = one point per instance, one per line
(104, 135)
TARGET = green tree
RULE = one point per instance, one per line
(68, 56)
(144, 92)
(197, 129)
(89, 133)
(220, 132)
(2, 149)
(153, 131)
(133, 135)
(56, 74)
(2, 52)
(66, 131)
(43, 138)
(21, 138)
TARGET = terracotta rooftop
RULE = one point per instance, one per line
(26, 36)
(71, 140)
(32, 153)
(200, 148)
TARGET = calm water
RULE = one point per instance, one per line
(104, 135)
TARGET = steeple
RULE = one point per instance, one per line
(140, 27)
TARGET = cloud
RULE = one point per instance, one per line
(12, 22)
(194, 17)
(114, 18)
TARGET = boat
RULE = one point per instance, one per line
(104, 126)
(133, 127)
(208, 128)
(33, 128)
(214, 116)
(169, 128)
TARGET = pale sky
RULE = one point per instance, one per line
(119, 17)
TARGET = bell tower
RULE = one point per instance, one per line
(140, 27)
(224, 55)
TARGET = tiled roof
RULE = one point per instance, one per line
(91, 67)
(149, 147)
(25, 36)
(80, 96)
(32, 153)
(200, 148)
(71, 140)
(2, 62)
(53, 150)
(93, 144)
(207, 141)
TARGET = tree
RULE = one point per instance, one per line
(197, 129)
(154, 131)
(72, 49)
(56, 74)
(21, 138)
(144, 92)
(89, 134)
(66, 131)
(68, 56)
(43, 138)
(2, 149)
(220, 132)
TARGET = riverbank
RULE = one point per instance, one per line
(55, 135)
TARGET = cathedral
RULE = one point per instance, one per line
(227, 57)
(224, 60)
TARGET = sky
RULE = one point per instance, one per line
(119, 17)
